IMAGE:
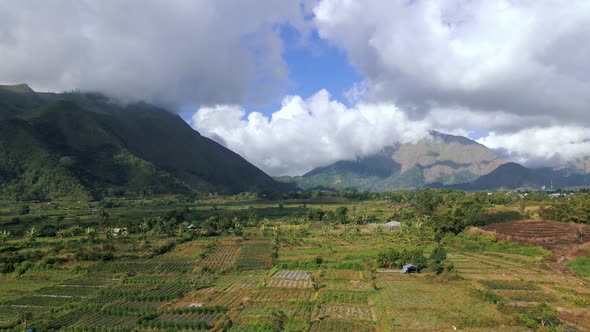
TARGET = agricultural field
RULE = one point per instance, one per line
(255, 265)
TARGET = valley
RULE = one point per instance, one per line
(245, 263)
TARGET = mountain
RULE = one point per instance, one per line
(577, 166)
(515, 176)
(439, 158)
(85, 145)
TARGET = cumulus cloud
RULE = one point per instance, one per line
(528, 58)
(173, 52)
(549, 146)
(305, 134)
(308, 133)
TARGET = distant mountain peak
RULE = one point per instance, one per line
(443, 158)
(17, 88)
(448, 138)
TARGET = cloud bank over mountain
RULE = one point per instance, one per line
(517, 73)
(513, 74)
(305, 134)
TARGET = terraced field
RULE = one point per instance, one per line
(227, 283)
(549, 234)
(255, 255)
(518, 281)
(290, 278)
(223, 257)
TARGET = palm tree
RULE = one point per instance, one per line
(62, 233)
(90, 233)
(107, 232)
(144, 227)
(32, 234)
(4, 235)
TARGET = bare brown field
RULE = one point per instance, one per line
(551, 235)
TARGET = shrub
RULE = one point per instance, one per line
(392, 257)
(22, 267)
(540, 315)
(319, 260)
(486, 218)
(438, 260)
(388, 258)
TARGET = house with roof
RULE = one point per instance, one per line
(392, 226)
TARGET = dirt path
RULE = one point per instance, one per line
(372, 310)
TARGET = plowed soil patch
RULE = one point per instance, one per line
(551, 235)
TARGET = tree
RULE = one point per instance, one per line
(438, 257)
(25, 209)
(388, 258)
(275, 243)
(32, 234)
(107, 232)
(414, 257)
(144, 227)
(316, 280)
(4, 235)
(342, 214)
(426, 201)
(103, 215)
(62, 233)
(90, 234)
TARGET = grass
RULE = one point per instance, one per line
(509, 285)
(580, 266)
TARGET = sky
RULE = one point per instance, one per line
(296, 84)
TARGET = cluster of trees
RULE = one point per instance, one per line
(452, 211)
(437, 261)
(340, 216)
(568, 209)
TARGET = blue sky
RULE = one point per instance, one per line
(313, 64)
(317, 65)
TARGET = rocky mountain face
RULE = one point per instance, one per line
(440, 158)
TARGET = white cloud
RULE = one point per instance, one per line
(519, 70)
(305, 134)
(549, 146)
(530, 58)
(176, 52)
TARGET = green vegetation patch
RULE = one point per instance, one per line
(255, 255)
(509, 284)
(345, 297)
(580, 266)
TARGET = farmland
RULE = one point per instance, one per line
(264, 265)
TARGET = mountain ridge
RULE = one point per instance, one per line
(84, 145)
(443, 158)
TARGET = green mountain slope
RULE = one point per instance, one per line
(83, 145)
(515, 176)
(439, 158)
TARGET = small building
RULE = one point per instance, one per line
(119, 231)
(392, 226)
